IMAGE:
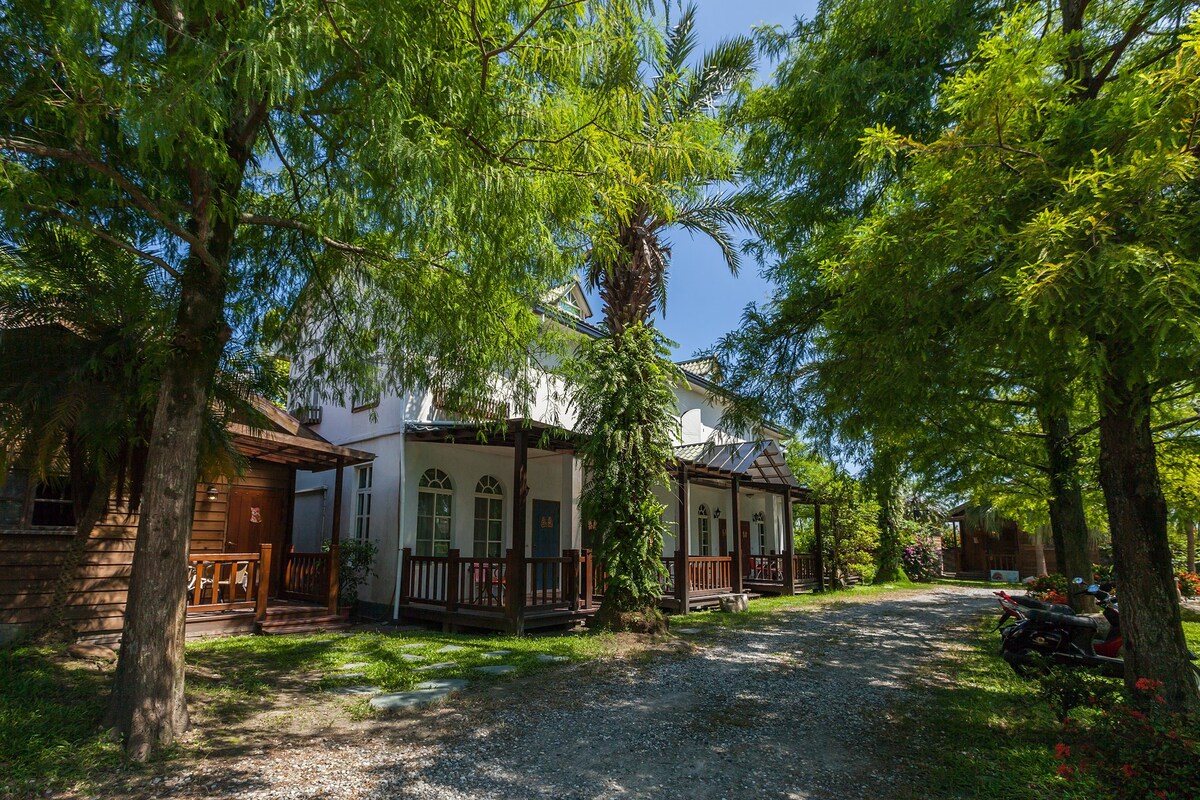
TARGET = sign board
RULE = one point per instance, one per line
(1006, 576)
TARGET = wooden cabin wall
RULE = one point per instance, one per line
(30, 561)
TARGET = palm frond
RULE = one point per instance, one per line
(681, 42)
(728, 64)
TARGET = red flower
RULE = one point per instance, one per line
(1128, 770)
(1066, 771)
(1148, 684)
(1161, 793)
(1062, 751)
(1133, 712)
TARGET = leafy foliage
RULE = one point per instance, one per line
(849, 518)
(356, 563)
(922, 561)
(627, 417)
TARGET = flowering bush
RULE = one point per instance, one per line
(1189, 583)
(921, 560)
(1102, 573)
(1049, 584)
(1136, 748)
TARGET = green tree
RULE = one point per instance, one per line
(673, 173)
(346, 161)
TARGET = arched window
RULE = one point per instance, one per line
(435, 499)
(705, 531)
(760, 527)
(489, 518)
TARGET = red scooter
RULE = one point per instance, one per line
(1050, 633)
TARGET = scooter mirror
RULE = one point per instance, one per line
(1093, 588)
(1077, 581)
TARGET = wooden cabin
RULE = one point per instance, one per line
(243, 575)
(974, 551)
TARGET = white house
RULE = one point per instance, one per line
(490, 534)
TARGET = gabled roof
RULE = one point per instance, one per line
(760, 462)
(571, 292)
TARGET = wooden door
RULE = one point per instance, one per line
(723, 537)
(257, 517)
(546, 516)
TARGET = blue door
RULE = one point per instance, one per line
(546, 514)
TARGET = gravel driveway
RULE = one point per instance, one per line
(794, 708)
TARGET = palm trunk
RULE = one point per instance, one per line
(1137, 515)
(1067, 518)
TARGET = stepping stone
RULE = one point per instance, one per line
(497, 654)
(496, 669)
(687, 630)
(410, 657)
(450, 648)
(411, 645)
(425, 694)
(549, 659)
(355, 665)
(351, 675)
(355, 690)
(439, 665)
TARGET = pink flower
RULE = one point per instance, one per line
(1148, 684)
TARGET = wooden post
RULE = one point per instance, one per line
(735, 522)
(819, 555)
(572, 578)
(335, 539)
(452, 558)
(683, 540)
(589, 574)
(406, 576)
(264, 582)
(516, 577)
(789, 546)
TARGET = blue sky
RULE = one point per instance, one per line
(703, 300)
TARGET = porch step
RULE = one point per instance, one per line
(297, 611)
(313, 624)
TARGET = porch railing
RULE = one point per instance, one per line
(1003, 561)
(456, 582)
(306, 576)
(805, 567)
(710, 574)
(229, 581)
(768, 568)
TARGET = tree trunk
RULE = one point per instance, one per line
(148, 704)
(887, 557)
(1137, 516)
(1039, 543)
(56, 627)
(1067, 518)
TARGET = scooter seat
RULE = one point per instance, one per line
(1032, 602)
(1067, 620)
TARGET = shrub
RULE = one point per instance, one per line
(921, 560)
(1189, 583)
(356, 559)
(1048, 584)
(1136, 748)
(1103, 573)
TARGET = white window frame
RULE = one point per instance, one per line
(491, 492)
(760, 520)
(704, 529)
(435, 483)
(364, 478)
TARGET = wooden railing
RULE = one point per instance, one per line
(709, 574)
(227, 581)
(1002, 561)
(306, 576)
(482, 584)
(666, 581)
(768, 569)
(805, 567)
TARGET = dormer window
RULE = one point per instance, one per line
(568, 305)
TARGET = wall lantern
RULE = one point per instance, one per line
(716, 513)
(211, 492)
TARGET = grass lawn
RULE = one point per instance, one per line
(977, 730)
(51, 706)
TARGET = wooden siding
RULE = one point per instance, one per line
(30, 559)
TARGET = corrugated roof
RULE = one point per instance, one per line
(758, 461)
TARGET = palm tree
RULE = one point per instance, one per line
(680, 167)
(679, 163)
(81, 348)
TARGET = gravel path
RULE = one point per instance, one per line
(794, 708)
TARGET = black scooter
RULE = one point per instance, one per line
(1045, 634)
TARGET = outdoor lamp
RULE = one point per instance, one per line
(211, 492)
(716, 513)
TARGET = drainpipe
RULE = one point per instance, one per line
(400, 510)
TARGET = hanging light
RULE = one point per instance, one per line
(211, 492)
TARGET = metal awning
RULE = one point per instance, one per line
(759, 462)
